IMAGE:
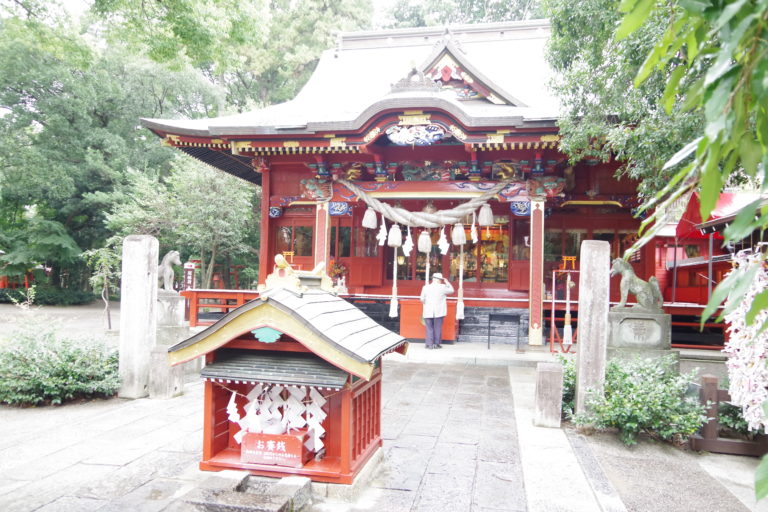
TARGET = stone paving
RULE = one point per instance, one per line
(457, 436)
(450, 442)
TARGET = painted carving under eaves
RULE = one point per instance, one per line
(422, 135)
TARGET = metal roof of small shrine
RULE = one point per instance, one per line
(357, 79)
(326, 324)
(256, 366)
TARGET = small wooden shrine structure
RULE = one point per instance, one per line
(292, 381)
(404, 123)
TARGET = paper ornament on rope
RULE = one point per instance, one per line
(369, 219)
(442, 243)
(382, 235)
(408, 244)
(473, 229)
(315, 416)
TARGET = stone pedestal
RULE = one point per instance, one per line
(170, 308)
(138, 300)
(639, 334)
(165, 381)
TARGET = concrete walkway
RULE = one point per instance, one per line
(457, 431)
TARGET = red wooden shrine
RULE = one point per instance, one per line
(292, 382)
(472, 114)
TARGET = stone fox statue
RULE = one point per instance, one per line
(648, 293)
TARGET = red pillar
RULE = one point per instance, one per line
(322, 248)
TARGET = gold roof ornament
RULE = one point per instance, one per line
(285, 276)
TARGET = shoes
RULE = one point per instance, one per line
(429, 347)
(438, 346)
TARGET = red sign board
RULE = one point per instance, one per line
(276, 449)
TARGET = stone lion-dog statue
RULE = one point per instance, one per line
(165, 269)
(648, 293)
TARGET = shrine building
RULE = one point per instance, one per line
(444, 143)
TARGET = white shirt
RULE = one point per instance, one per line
(433, 297)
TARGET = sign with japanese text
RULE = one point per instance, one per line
(276, 449)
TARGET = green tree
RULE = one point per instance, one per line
(604, 116)
(105, 265)
(424, 13)
(196, 210)
(261, 52)
(714, 56)
(69, 129)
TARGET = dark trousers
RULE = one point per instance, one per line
(434, 330)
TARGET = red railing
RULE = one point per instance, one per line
(214, 301)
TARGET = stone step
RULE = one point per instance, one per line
(494, 340)
(246, 493)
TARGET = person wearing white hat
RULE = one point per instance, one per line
(433, 296)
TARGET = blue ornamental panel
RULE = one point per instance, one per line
(520, 208)
(339, 208)
(275, 212)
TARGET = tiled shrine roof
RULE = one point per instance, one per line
(256, 366)
(326, 324)
(357, 79)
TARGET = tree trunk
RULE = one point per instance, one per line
(105, 296)
(206, 271)
(226, 275)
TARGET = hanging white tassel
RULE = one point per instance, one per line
(395, 238)
(382, 235)
(485, 218)
(458, 236)
(393, 300)
(425, 242)
(460, 303)
(369, 219)
(567, 328)
(473, 229)
(408, 245)
(442, 243)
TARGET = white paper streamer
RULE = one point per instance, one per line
(408, 244)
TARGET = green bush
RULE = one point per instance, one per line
(646, 396)
(46, 295)
(37, 367)
(569, 386)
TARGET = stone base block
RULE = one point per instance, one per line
(635, 330)
(170, 335)
(170, 308)
(349, 493)
(165, 381)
